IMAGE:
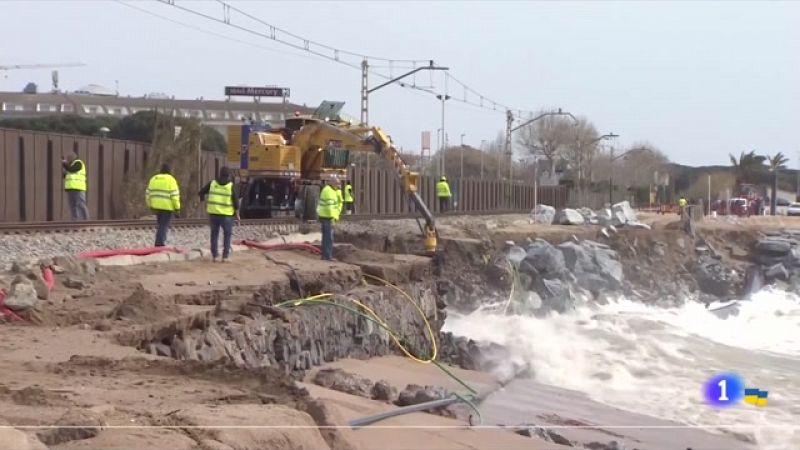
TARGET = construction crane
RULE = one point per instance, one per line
(40, 66)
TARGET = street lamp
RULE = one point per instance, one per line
(510, 130)
(462, 155)
(581, 146)
(483, 141)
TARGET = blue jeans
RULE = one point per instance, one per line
(77, 205)
(327, 239)
(163, 217)
(226, 222)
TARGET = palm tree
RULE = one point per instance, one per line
(747, 167)
(776, 162)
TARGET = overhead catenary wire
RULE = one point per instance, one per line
(331, 53)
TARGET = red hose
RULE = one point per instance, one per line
(48, 277)
(294, 246)
(128, 251)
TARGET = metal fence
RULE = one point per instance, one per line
(32, 183)
(31, 175)
(377, 191)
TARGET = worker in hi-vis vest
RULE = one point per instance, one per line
(349, 200)
(75, 186)
(164, 198)
(443, 194)
(328, 210)
(222, 206)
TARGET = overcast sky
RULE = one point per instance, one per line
(697, 79)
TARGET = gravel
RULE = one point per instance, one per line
(41, 245)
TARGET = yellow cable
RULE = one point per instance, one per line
(431, 334)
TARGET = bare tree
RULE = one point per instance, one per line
(580, 153)
(548, 136)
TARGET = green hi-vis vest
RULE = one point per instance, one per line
(348, 194)
(220, 201)
(76, 181)
(163, 194)
(442, 189)
(328, 207)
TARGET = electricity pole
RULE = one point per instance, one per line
(462, 156)
(443, 98)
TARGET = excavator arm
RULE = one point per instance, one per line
(318, 135)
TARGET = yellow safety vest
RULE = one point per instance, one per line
(442, 189)
(163, 194)
(348, 193)
(329, 206)
(220, 201)
(76, 181)
(340, 199)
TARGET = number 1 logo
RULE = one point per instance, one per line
(723, 390)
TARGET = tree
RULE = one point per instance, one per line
(748, 167)
(776, 162)
(580, 153)
(548, 136)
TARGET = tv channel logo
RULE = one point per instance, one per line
(727, 389)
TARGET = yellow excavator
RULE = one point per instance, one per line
(282, 169)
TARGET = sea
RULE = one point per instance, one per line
(654, 361)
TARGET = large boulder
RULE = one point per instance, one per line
(607, 263)
(557, 297)
(713, 278)
(576, 257)
(516, 254)
(543, 260)
(569, 216)
(627, 213)
(543, 214)
(342, 381)
(22, 295)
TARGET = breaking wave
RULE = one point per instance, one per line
(654, 360)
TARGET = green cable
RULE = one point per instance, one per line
(464, 398)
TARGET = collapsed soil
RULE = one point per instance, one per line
(143, 306)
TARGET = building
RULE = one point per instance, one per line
(94, 101)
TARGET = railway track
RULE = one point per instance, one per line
(19, 228)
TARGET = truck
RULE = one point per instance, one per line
(281, 170)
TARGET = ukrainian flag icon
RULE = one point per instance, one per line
(751, 396)
(762, 398)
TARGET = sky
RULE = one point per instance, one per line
(698, 80)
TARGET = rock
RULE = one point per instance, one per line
(339, 380)
(544, 434)
(712, 278)
(608, 265)
(776, 272)
(624, 208)
(89, 267)
(383, 391)
(414, 394)
(753, 281)
(103, 325)
(516, 254)
(544, 214)
(75, 283)
(283, 427)
(22, 295)
(68, 264)
(74, 425)
(544, 259)
(569, 216)
(639, 225)
(556, 296)
(576, 258)
(14, 439)
(773, 247)
(58, 270)
(612, 445)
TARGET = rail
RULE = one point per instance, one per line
(150, 223)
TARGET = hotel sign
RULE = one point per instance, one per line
(252, 91)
